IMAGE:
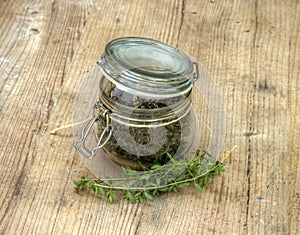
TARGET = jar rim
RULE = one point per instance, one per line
(147, 67)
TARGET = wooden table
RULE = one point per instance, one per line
(250, 48)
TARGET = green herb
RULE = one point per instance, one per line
(141, 187)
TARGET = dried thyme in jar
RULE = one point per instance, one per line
(146, 120)
(143, 112)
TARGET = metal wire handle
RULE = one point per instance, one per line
(196, 73)
(80, 143)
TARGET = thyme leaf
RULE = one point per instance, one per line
(198, 172)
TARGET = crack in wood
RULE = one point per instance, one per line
(181, 22)
(250, 126)
(248, 177)
(139, 220)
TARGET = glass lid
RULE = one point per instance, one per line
(147, 67)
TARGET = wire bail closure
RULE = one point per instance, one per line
(80, 144)
(196, 73)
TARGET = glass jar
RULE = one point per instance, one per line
(143, 114)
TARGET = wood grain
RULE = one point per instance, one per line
(251, 49)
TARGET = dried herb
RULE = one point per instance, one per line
(198, 173)
(143, 108)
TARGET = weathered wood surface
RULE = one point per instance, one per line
(252, 50)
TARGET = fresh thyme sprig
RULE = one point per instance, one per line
(143, 185)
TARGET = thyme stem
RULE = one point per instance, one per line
(199, 171)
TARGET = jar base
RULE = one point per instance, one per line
(123, 162)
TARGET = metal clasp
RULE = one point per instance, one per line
(80, 144)
(196, 74)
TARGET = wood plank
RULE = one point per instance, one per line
(37, 51)
(251, 50)
(271, 166)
